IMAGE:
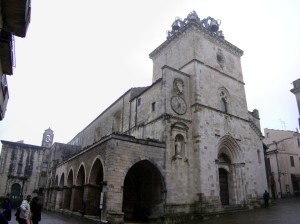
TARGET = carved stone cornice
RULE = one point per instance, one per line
(256, 129)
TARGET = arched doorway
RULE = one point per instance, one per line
(223, 181)
(15, 193)
(143, 193)
(230, 171)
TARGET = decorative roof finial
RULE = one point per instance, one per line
(209, 23)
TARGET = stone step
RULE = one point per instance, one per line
(233, 208)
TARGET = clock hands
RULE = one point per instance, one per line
(178, 105)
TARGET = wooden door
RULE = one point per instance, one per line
(223, 180)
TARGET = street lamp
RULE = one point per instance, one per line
(278, 171)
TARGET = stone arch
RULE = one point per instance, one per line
(70, 179)
(227, 145)
(80, 177)
(56, 181)
(143, 191)
(229, 170)
(78, 201)
(68, 190)
(96, 174)
(95, 186)
(62, 181)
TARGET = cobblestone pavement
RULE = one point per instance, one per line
(283, 211)
(59, 218)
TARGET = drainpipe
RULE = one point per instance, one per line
(278, 170)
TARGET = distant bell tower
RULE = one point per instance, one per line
(296, 91)
(47, 138)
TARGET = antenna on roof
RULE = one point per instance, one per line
(283, 126)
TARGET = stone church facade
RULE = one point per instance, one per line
(181, 147)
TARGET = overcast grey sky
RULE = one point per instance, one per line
(79, 56)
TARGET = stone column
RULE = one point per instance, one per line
(196, 132)
(46, 199)
(53, 198)
(112, 209)
(58, 200)
(240, 192)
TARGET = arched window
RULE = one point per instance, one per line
(223, 105)
(224, 98)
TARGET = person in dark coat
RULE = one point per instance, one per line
(7, 209)
(3, 219)
(36, 210)
(266, 197)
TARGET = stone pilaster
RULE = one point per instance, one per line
(58, 200)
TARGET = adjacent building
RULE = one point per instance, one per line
(183, 146)
(24, 168)
(283, 162)
(14, 21)
(20, 169)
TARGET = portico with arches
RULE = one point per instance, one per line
(183, 146)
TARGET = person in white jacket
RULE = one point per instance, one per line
(25, 211)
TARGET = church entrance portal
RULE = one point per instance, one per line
(15, 194)
(143, 193)
(223, 180)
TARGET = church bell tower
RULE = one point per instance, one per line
(47, 138)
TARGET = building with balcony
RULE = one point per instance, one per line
(14, 21)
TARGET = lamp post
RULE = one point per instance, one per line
(278, 170)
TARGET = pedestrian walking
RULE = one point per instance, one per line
(25, 211)
(7, 209)
(36, 210)
(266, 197)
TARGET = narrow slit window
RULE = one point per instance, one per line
(223, 105)
(139, 102)
(258, 156)
(153, 106)
(292, 161)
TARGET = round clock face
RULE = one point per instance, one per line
(178, 105)
(48, 138)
